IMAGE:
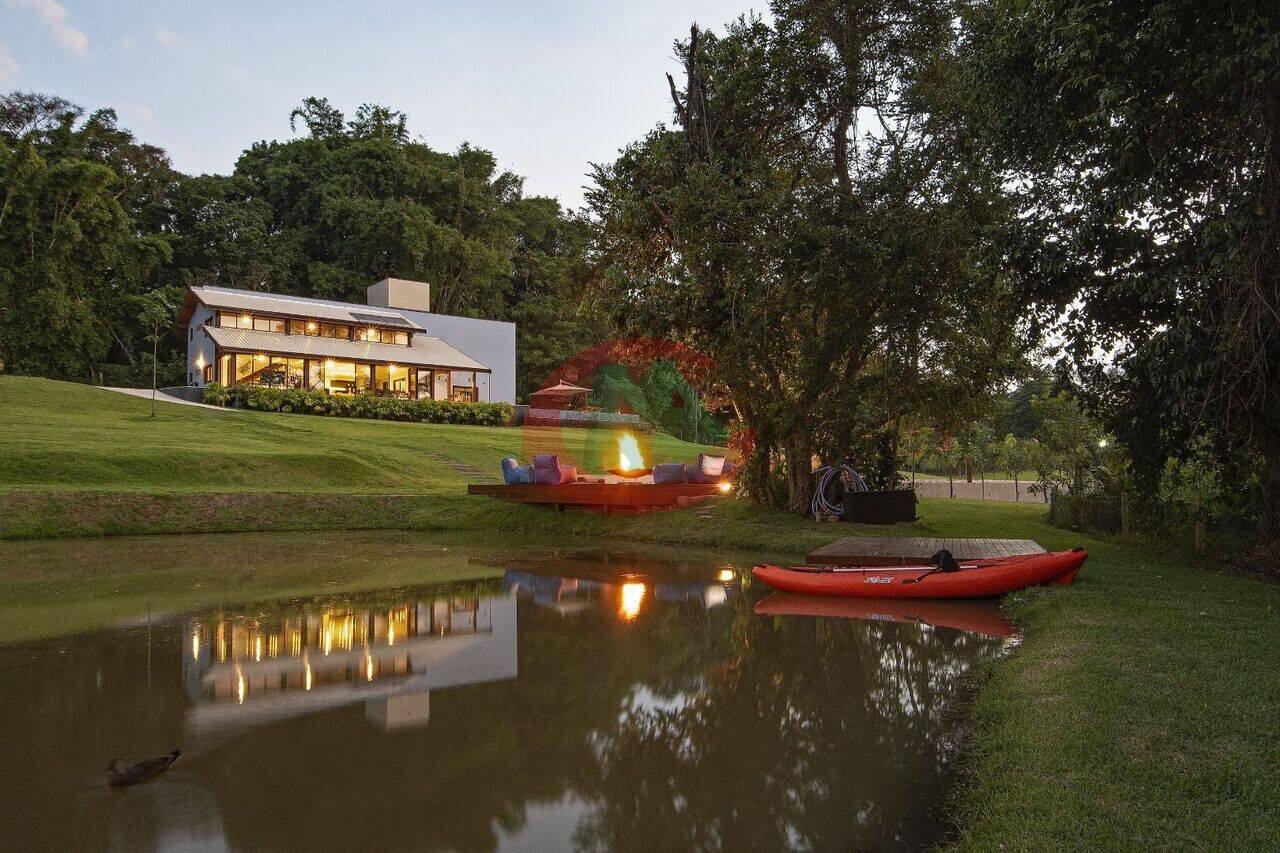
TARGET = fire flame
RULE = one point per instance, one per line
(631, 598)
(629, 456)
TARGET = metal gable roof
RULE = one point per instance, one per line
(227, 298)
(424, 352)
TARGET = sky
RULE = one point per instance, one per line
(549, 86)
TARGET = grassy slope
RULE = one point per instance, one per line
(1139, 711)
(64, 436)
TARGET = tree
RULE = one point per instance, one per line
(155, 315)
(1017, 455)
(1070, 444)
(1144, 143)
(983, 451)
(918, 444)
(806, 258)
(71, 253)
(953, 453)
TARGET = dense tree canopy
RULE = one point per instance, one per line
(809, 224)
(1144, 141)
(76, 195)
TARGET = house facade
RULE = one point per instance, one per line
(391, 346)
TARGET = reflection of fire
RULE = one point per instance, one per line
(632, 597)
(629, 456)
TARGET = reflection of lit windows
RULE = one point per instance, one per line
(630, 600)
(195, 643)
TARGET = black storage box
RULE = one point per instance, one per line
(879, 507)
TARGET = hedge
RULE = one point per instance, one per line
(298, 401)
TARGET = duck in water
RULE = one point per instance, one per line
(120, 774)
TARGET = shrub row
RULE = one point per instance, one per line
(298, 401)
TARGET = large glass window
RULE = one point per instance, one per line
(422, 388)
(463, 388)
(284, 372)
(391, 380)
(268, 324)
(232, 320)
(373, 334)
(364, 378)
(224, 369)
(304, 327)
(315, 376)
(391, 336)
(245, 367)
(340, 376)
(335, 330)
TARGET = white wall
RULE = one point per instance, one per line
(490, 342)
(198, 345)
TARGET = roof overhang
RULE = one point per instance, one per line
(425, 351)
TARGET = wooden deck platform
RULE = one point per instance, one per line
(916, 550)
(601, 497)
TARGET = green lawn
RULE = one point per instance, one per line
(1138, 712)
(61, 436)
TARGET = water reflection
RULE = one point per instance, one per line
(571, 702)
(315, 655)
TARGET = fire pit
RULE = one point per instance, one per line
(630, 460)
(630, 473)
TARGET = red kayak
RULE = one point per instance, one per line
(974, 579)
(976, 617)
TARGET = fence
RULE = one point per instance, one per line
(991, 490)
(1169, 523)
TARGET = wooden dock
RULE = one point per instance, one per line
(601, 497)
(914, 551)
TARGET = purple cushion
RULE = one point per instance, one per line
(546, 476)
(546, 461)
(669, 473)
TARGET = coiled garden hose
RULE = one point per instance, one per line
(829, 475)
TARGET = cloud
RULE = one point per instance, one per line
(8, 66)
(127, 44)
(168, 37)
(56, 16)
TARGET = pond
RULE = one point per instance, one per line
(577, 699)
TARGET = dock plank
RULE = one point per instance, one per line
(894, 550)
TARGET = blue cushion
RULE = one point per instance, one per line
(514, 474)
(669, 474)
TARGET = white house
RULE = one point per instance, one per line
(392, 346)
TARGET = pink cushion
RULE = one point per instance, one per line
(568, 473)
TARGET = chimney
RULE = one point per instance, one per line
(400, 293)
